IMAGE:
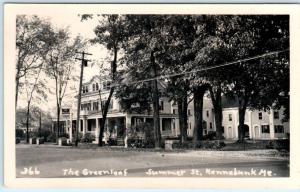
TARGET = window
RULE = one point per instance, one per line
(207, 113)
(97, 87)
(175, 111)
(95, 106)
(110, 104)
(222, 129)
(276, 115)
(86, 106)
(161, 105)
(189, 112)
(94, 87)
(174, 103)
(265, 129)
(279, 128)
(85, 89)
(230, 117)
(210, 125)
(106, 85)
(260, 115)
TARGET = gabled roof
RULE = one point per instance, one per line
(91, 80)
(229, 102)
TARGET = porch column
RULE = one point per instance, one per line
(71, 131)
(97, 130)
(271, 121)
(160, 124)
(71, 127)
(84, 126)
(127, 127)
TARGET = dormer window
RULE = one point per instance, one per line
(94, 87)
(85, 89)
(106, 85)
(97, 87)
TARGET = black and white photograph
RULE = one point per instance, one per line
(110, 94)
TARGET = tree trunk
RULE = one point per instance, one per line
(57, 123)
(243, 102)
(104, 116)
(156, 123)
(40, 127)
(27, 122)
(217, 103)
(17, 91)
(106, 106)
(155, 98)
(182, 113)
(198, 112)
(241, 130)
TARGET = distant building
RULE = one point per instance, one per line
(259, 124)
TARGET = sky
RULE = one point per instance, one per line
(99, 53)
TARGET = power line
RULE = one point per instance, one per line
(203, 69)
(199, 70)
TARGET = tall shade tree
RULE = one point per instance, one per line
(111, 33)
(33, 40)
(143, 50)
(260, 83)
(36, 91)
(212, 48)
(177, 56)
(60, 63)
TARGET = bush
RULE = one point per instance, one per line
(51, 138)
(33, 134)
(20, 133)
(281, 144)
(199, 145)
(66, 135)
(210, 136)
(87, 138)
(44, 134)
(140, 143)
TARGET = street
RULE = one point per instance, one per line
(50, 161)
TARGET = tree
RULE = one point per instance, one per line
(33, 37)
(212, 49)
(146, 45)
(60, 64)
(35, 85)
(110, 32)
(259, 83)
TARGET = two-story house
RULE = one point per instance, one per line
(95, 91)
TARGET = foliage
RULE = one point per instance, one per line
(282, 144)
(51, 137)
(44, 134)
(20, 133)
(33, 40)
(87, 138)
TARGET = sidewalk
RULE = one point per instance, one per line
(263, 154)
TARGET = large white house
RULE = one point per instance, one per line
(260, 124)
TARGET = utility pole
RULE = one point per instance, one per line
(83, 64)
(40, 128)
